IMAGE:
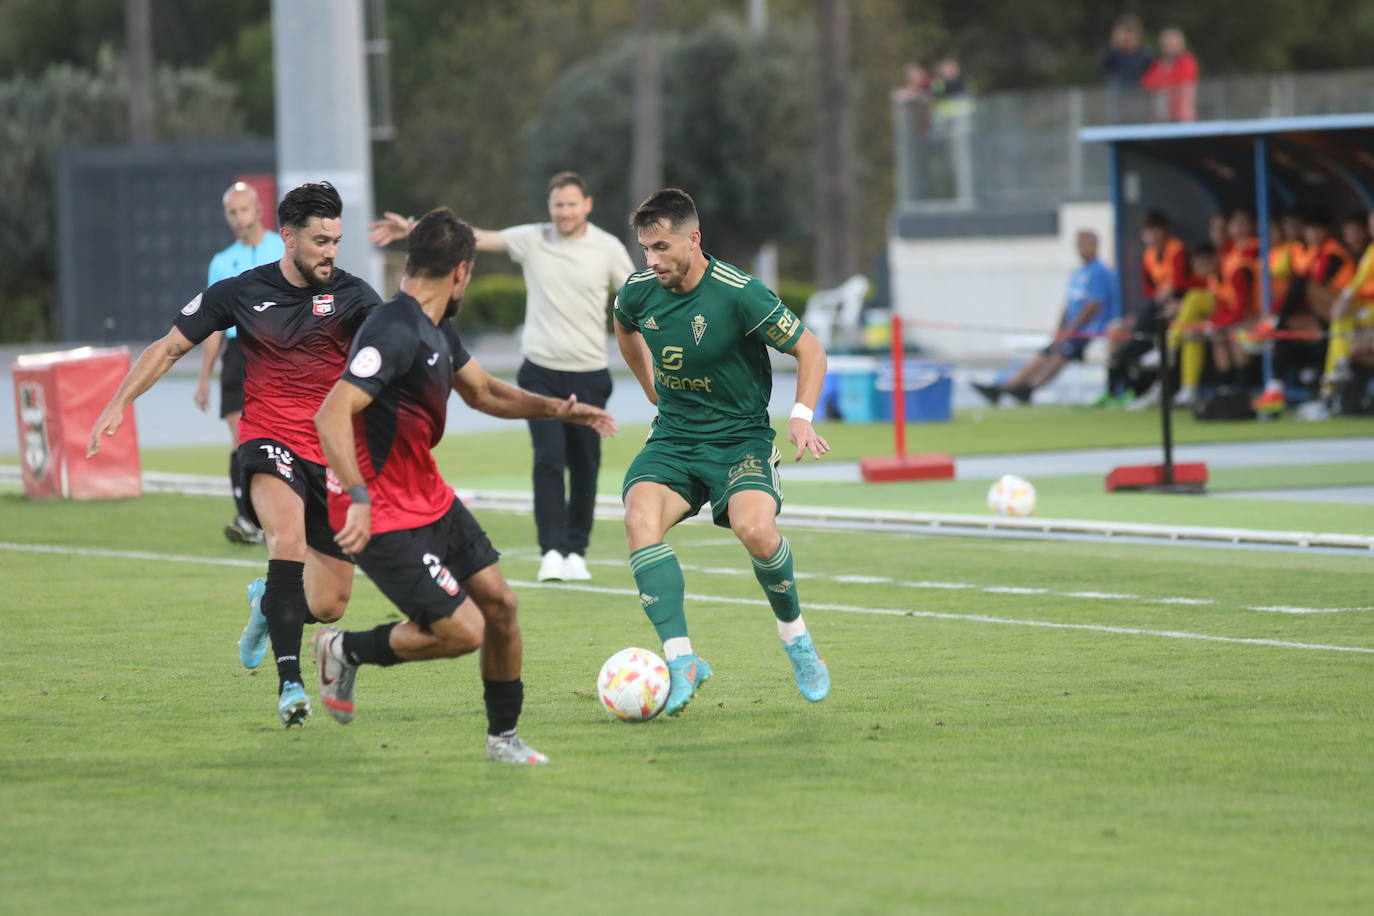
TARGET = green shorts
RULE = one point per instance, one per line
(700, 472)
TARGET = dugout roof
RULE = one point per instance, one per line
(1188, 170)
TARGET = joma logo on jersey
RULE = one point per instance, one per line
(748, 467)
(322, 305)
(439, 572)
(282, 457)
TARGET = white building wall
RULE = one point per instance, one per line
(1013, 284)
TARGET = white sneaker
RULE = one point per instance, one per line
(1185, 397)
(510, 749)
(551, 567)
(1147, 400)
(575, 568)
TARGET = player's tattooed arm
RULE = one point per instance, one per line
(636, 353)
(152, 364)
(334, 423)
(480, 391)
(811, 365)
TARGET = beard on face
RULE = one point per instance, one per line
(307, 272)
(452, 308)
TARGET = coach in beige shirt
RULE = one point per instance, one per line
(571, 269)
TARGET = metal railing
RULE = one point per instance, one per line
(1021, 148)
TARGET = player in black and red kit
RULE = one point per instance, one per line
(296, 319)
(412, 536)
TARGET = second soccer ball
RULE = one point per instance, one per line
(1012, 495)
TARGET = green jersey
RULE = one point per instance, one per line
(711, 369)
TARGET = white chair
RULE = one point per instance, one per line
(834, 314)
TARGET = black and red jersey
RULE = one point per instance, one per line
(406, 364)
(295, 341)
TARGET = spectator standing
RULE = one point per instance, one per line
(916, 88)
(1125, 63)
(572, 269)
(1173, 78)
(1089, 306)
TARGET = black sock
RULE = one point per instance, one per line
(236, 486)
(371, 647)
(283, 604)
(503, 699)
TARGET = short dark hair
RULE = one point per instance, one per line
(671, 205)
(1204, 250)
(1317, 216)
(1155, 219)
(564, 179)
(310, 199)
(1355, 216)
(439, 242)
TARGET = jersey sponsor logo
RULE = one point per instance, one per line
(671, 358)
(650, 323)
(783, 328)
(439, 572)
(698, 328)
(366, 362)
(264, 307)
(433, 359)
(33, 423)
(192, 307)
(322, 305)
(283, 458)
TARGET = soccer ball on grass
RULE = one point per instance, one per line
(1012, 495)
(633, 685)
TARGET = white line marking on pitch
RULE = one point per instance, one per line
(752, 602)
(996, 589)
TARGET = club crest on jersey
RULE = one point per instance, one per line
(442, 577)
(698, 328)
(322, 305)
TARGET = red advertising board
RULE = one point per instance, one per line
(57, 398)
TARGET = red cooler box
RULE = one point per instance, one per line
(57, 398)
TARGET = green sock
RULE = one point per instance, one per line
(779, 586)
(658, 576)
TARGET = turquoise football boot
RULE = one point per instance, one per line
(253, 642)
(292, 704)
(813, 677)
(685, 674)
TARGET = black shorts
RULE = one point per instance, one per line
(304, 477)
(422, 569)
(231, 378)
(1070, 348)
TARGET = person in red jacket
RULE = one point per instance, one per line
(1173, 78)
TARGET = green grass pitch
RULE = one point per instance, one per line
(1029, 727)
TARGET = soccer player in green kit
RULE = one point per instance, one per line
(694, 330)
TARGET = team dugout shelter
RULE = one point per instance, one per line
(1267, 165)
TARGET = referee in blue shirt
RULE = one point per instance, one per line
(253, 246)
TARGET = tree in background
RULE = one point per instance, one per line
(737, 122)
(67, 104)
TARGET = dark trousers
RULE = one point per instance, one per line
(563, 517)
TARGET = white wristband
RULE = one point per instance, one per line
(801, 412)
